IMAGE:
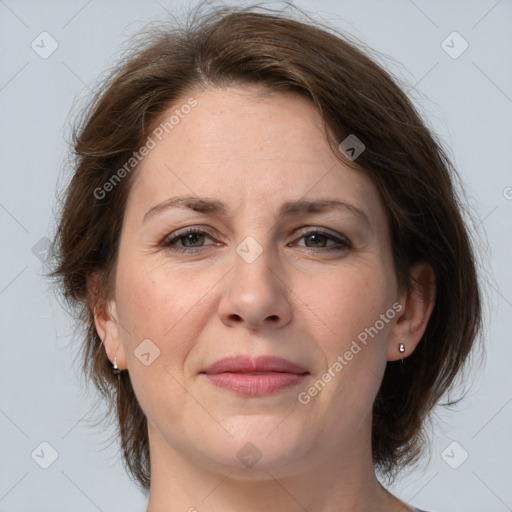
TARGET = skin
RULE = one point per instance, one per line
(297, 300)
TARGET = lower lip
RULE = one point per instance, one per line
(255, 384)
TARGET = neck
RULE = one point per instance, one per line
(343, 481)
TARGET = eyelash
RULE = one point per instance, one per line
(168, 243)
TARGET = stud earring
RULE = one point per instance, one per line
(115, 368)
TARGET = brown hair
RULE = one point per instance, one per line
(354, 95)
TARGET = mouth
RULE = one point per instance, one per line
(247, 376)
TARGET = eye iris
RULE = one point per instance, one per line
(317, 238)
(193, 238)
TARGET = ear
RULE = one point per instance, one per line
(105, 320)
(417, 306)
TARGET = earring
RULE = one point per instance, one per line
(401, 349)
(115, 368)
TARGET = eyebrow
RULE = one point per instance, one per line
(288, 209)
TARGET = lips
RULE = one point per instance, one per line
(259, 376)
(246, 364)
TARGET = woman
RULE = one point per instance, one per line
(265, 247)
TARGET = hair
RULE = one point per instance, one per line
(230, 46)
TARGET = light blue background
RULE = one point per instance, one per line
(468, 102)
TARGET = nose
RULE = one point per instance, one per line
(255, 294)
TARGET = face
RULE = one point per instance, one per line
(279, 258)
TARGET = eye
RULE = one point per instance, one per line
(319, 239)
(190, 239)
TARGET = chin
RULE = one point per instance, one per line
(259, 446)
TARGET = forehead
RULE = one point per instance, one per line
(247, 146)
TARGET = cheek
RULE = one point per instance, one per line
(352, 305)
(160, 316)
(348, 302)
(167, 307)
(151, 300)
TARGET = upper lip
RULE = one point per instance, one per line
(247, 364)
